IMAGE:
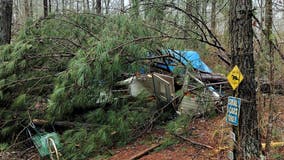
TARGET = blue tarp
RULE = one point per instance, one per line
(185, 57)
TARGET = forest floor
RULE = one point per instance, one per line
(214, 132)
(211, 132)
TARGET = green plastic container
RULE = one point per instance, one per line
(40, 140)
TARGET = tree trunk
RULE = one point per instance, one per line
(84, 6)
(56, 6)
(6, 7)
(27, 9)
(122, 6)
(99, 6)
(204, 9)
(88, 5)
(49, 6)
(63, 6)
(93, 6)
(269, 50)
(77, 7)
(45, 8)
(241, 45)
(213, 16)
(31, 8)
(107, 6)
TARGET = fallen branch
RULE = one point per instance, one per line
(62, 123)
(144, 152)
(193, 142)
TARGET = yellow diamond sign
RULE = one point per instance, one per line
(235, 77)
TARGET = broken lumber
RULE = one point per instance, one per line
(193, 142)
(144, 152)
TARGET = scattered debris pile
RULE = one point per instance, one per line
(90, 79)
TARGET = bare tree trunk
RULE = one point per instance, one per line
(27, 8)
(99, 6)
(77, 7)
(84, 6)
(6, 7)
(88, 5)
(269, 50)
(93, 5)
(31, 8)
(56, 6)
(45, 8)
(241, 44)
(15, 14)
(49, 6)
(107, 2)
(63, 6)
(204, 9)
(122, 6)
(213, 16)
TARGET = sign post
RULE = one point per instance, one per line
(235, 77)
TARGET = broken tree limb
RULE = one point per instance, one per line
(144, 152)
(62, 123)
(193, 142)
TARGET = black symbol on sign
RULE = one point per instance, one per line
(235, 77)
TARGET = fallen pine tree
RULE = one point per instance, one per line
(58, 66)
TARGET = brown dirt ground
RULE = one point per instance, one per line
(214, 132)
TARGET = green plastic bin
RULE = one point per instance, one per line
(40, 140)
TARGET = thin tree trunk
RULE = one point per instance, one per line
(213, 16)
(88, 5)
(269, 50)
(49, 6)
(204, 9)
(27, 9)
(84, 6)
(77, 7)
(241, 44)
(6, 7)
(122, 6)
(45, 8)
(56, 6)
(31, 8)
(63, 6)
(107, 6)
(93, 5)
(99, 6)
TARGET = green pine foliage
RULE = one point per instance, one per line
(63, 68)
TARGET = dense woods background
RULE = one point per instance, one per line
(61, 56)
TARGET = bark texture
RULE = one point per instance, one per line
(98, 6)
(269, 52)
(45, 8)
(6, 7)
(241, 45)
(27, 8)
(213, 16)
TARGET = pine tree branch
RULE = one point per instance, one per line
(24, 80)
